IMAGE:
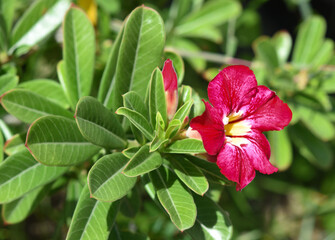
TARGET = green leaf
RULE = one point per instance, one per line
(210, 33)
(177, 201)
(139, 121)
(20, 173)
(7, 9)
(217, 226)
(28, 106)
(3, 33)
(157, 101)
(178, 63)
(98, 124)
(117, 234)
(317, 123)
(189, 174)
(106, 181)
(211, 169)
(92, 219)
(281, 149)
(172, 129)
(183, 111)
(42, 18)
(130, 152)
(142, 162)
(7, 82)
(185, 94)
(134, 102)
(314, 150)
(47, 88)
(1, 147)
(107, 80)
(140, 53)
(55, 140)
(266, 52)
(78, 54)
(324, 54)
(309, 40)
(213, 13)
(328, 84)
(15, 144)
(159, 139)
(282, 42)
(188, 145)
(19, 209)
(198, 106)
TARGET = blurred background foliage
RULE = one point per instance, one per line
(290, 46)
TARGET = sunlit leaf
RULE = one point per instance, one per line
(188, 145)
(28, 106)
(140, 53)
(78, 54)
(177, 201)
(106, 181)
(281, 149)
(92, 219)
(55, 140)
(98, 124)
(7, 82)
(21, 173)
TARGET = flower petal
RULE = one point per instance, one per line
(258, 151)
(211, 128)
(268, 111)
(230, 87)
(235, 165)
(169, 77)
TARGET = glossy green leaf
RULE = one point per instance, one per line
(15, 144)
(98, 124)
(19, 209)
(189, 174)
(213, 13)
(176, 200)
(7, 82)
(41, 19)
(140, 53)
(159, 139)
(212, 222)
(282, 42)
(178, 63)
(142, 162)
(107, 80)
(317, 123)
(309, 40)
(313, 149)
(188, 145)
(106, 181)
(55, 140)
(281, 149)
(266, 52)
(3, 33)
(183, 111)
(157, 142)
(157, 101)
(28, 106)
(78, 54)
(185, 94)
(21, 173)
(139, 121)
(210, 169)
(47, 88)
(198, 106)
(92, 219)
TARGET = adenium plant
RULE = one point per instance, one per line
(136, 133)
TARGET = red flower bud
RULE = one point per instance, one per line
(171, 88)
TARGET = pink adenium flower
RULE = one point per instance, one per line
(171, 88)
(231, 126)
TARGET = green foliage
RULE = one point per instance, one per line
(120, 147)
